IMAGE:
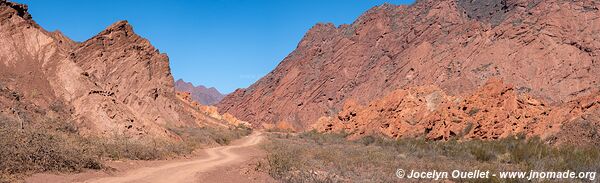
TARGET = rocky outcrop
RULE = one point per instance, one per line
(201, 94)
(545, 49)
(115, 82)
(496, 110)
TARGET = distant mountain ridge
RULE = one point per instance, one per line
(199, 93)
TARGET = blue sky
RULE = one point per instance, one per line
(227, 44)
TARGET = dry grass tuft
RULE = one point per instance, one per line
(316, 157)
(41, 149)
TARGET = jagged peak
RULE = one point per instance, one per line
(184, 83)
(385, 8)
(20, 9)
(190, 84)
(119, 26)
(320, 27)
(323, 25)
(121, 32)
(317, 31)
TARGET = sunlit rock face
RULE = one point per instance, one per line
(547, 50)
(114, 82)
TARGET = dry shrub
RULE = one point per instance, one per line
(195, 137)
(40, 149)
(56, 146)
(316, 157)
(123, 147)
(126, 147)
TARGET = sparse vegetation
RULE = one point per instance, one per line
(316, 157)
(41, 148)
(195, 137)
(55, 146)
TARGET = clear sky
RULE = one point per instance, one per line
(227, 44)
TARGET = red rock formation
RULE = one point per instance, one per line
(494, 111)
(115, 82)
(547, 49)
(206, 96)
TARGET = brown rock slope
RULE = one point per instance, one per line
(547, 49)
(208, 115)
(201, 94)
(29, 60)
(115, 82)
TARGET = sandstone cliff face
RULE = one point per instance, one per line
(115, 82)
(545, 49)
(201, 94)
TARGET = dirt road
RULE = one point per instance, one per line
(186, 171)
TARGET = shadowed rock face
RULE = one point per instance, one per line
(547, 49)
(18, 9)
(114, 82)
(490, 11)
(201, 94)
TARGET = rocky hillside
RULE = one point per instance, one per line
(547, 50)
(114, 82)
(209, 115)
(201, 94)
